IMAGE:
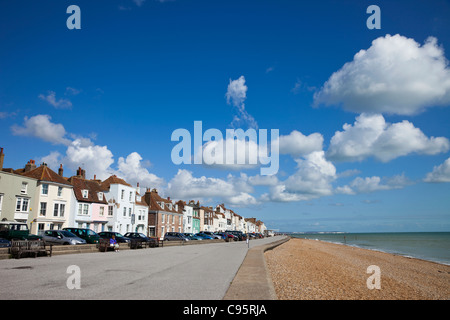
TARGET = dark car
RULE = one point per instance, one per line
(203, 235)
(225, 235)
(12, 230)
(141, 237)
(175, 236)
(84, 233)
(191, 236)
(119, 237)
(212, 234)
(237, 234)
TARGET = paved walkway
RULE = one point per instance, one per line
(195, 272)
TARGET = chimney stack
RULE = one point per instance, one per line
(81, 173)
(60, 170)
(2, 157)
(31, 165)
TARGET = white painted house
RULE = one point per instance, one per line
(121, 198)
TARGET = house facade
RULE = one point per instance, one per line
(208, 218)
(89, 206)
(163, 215)
(140, 220)
(17, 197)
(53, 200)
(121, 197)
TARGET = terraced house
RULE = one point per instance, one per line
(121, 197)
(163, 215)
(89, 208)
(53, 198)
(17, 195)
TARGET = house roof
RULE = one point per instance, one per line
(153, 199)
(44, 173)
(92, 186)
(113, 180)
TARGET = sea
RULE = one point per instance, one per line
(431, 246)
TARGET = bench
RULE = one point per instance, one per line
(28, 247)
(104, 245)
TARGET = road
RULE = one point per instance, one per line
(198, 272)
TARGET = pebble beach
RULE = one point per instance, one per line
(304, 269)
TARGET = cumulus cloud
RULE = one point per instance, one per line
(372, 136)
(440, 173)
(234, 190)
(95, 159)
(372, 184)
(41, 127)
(236, 95)
(132, 168)
(313, 179)
(58, 104)
(297, 144)
(83, 152)
(396, 75)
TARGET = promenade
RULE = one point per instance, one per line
(197, 272)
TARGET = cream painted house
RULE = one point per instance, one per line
(52, 201)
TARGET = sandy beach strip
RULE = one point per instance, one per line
(315, 270)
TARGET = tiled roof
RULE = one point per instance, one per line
(153, 199)
(92, 186)
(114, 180)
(44, 173)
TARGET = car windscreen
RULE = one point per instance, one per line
(68, 234)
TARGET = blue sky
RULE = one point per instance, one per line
(108, 97)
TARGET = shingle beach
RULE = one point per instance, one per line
(315, 270)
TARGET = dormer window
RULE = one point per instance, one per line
(100, 196)
(85, 193)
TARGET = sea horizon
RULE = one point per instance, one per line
(432, 246)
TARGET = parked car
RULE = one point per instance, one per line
(12, 230)
(61, 237)
(204, 236)
(84, 233)
(237, 234)
(225, 235)
(119, 237)
(191, 236)
(212, 234)
(141, 237)
(5, 243)
(175, 236)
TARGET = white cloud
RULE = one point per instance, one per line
(312, 179)
(95, 159)
(372, 184)
(440, 173)
(396, 75)
(371, 136)
(41, 127)
(132, 168)
(234, 190)
(236, 95)
(297, 144)
(58, 104)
